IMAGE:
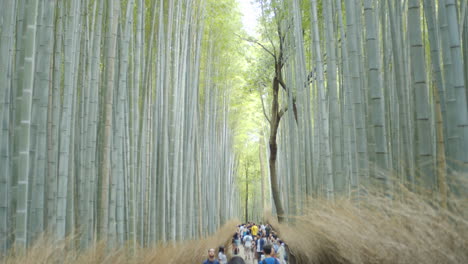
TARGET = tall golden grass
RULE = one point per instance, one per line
(406, 229)
(46, 251)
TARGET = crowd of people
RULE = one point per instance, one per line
(261, 244)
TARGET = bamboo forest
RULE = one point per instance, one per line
(154, 131)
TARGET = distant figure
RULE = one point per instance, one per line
(267, 230)
(281, 252)
(254, 230)
(236, 250)
(253, 249)
(236, 260)
(248, 246)
(211, 257)
(275, 245)
(236, 243)
(259, 247)
(267, 250)
(221, 257)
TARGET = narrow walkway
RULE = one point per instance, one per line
(242, 254)
(265, 234)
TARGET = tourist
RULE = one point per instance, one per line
(236, 260)
(281, 252)
(211, 257)
(254, 230)
(268, 230)
(248, 246)
(221, 256)
(260, 243)
(236, 243)
(269, 259)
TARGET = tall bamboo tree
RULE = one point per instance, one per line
(24, 118)
(111, 39)
(375, 86)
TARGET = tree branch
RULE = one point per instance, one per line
(266, 30)
(295, 109)
(264, 112)
(282, 111)
(281, 82)
(258, 43)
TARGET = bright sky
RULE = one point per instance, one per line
(250, 13)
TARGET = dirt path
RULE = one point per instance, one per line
(242, 254)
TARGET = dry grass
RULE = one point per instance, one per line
(45, 251)
(405, 230)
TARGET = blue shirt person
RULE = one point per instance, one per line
(211, 257)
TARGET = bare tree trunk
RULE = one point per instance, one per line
(275, 119)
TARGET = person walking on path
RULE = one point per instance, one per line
(267, 250)
(221, 256)
(211, 257)
(236, 242)
(260, 244)
(248, 246)
(236, 260)
(281, 254)
(268, 230)
(254, 230)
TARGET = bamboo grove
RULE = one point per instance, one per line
(116, 116)
(372, 95)
(113, 123)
